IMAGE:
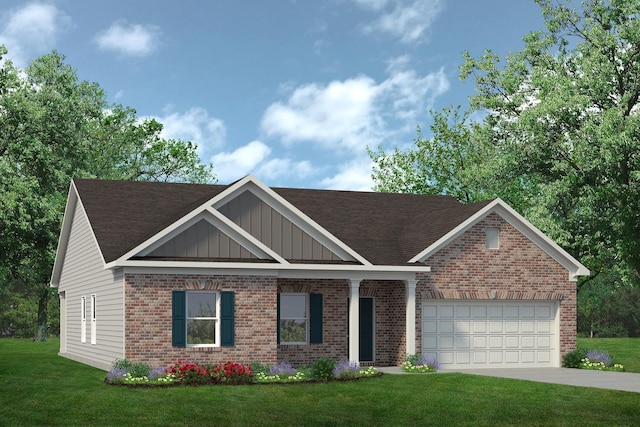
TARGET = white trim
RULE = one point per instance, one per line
(306, 319)
(216, 319)
(498, 206)
(354, 320)
(410, 317)
(290, 271)
(83, 319)
(93, 320)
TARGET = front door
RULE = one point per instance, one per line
(366, 330)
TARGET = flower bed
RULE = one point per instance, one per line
(597, 360)
(192, 373)
(419, 364)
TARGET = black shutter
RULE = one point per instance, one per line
(227, 319)
(315, 318)
(178, 319)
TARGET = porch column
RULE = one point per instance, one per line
(411, 316)
(354, 320)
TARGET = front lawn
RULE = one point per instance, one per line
(39, 388)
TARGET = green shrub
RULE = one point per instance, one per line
(259, 367)
(123, 364)
(574, 358)
(137, 370)
(322, 368)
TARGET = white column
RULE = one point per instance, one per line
(411, 316)
(354, 320)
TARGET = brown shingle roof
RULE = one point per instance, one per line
(385, 228)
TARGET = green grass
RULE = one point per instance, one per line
(39, 388)
(625, 351)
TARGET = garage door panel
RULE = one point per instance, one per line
(512, 342)
(463, 312)
(479, 311)
(479, 326)
(527, 327)
(511, 312)
(446, 342)
(496, 341)
(495, 327)
(479, 342)
(495, 357)
(445, 327)
(527, 341)
(512, 356)
(446, 311)
(430, 326)
(430, 342)
(463, 327)
(490, 333)
(512, 327)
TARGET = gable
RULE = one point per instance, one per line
(273, 229)
(202, 240)
(467, 262)
(519, 223)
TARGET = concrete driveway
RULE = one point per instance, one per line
(623, 381)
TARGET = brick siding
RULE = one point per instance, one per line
(518, 270)
(148, 319)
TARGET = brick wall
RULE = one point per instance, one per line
(518, 270)
(335, 322)
(148, 318)
(389, 321)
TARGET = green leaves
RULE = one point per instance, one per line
(559, 137)
(53, 128)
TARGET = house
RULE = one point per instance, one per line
(157, 272)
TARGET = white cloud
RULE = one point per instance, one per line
(337, 115)
(32, 30)
(194, 125)
(236, 164)
(408, 20)
(129, 39)
(285, 168)
(354, 175)
(347, 116)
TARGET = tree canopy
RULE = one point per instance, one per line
(54, 127)
(558, 137)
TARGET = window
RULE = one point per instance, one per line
(203, 326)
(293, 319)
(83, 320)
(93, 319)
(202, 319)
(300, 318)
(493, 238)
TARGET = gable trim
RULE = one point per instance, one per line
(536, 236)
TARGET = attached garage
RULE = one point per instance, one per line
(491, 334)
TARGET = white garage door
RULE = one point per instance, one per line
(490, 334)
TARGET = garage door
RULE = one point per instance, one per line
(490, 334)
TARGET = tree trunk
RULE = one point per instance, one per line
(41, 326)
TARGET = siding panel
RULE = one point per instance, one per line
(83, 274)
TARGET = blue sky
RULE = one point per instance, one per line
(290, 91)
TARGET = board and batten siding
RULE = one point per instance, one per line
(83, 274)
(275, 230)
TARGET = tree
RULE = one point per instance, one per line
(559, 136)
(54, 127)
